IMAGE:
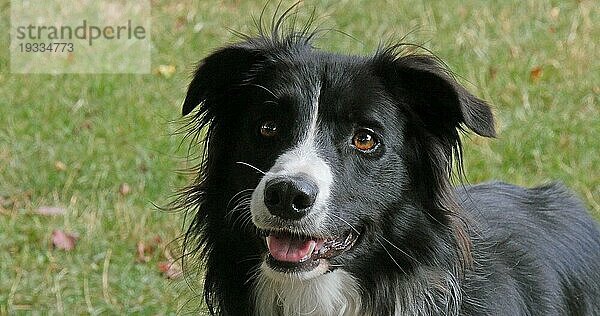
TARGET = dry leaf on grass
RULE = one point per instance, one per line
(166, 71)
(536, 73)
(170, 268)
(145, 249)
(51, 210)
(63, 240)
(60, 166)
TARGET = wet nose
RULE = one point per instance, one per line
(290, 197)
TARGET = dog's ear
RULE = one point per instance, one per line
(216, 74)
(438, 100)
(436, 106)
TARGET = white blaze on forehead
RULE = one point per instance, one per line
(311, 133)
(303, 159)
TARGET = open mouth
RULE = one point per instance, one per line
(289, 253)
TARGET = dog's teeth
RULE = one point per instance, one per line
(312, 248)
(348, 239)
(267, 240)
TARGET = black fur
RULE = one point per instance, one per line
(490, 249)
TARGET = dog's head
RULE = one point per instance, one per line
(315, 160)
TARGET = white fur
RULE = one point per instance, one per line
(332, 294)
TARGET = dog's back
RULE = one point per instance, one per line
(536, 249)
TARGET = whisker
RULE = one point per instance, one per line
(243, 216)
(251, 166)
(402, 251)
(343, 220)
(250, 258)
(235, 195)
(389, 254)
(248, 224)
(240, 201)
(270, 102)
(253, 274)
(264, 88)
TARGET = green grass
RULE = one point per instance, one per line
(113, 129)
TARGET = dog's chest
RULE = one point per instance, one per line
(335, 293)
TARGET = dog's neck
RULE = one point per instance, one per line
(335, 293)
(428, 292)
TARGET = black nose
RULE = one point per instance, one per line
(290, 197)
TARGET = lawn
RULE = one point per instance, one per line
(74, 141)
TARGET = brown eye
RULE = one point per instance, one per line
(365, 140)
(268, 129)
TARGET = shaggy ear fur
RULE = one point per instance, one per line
(217, 78)
(440, 102)
(437, 108)
(218, 73)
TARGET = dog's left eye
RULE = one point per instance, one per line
(268, 129)
(365, 140)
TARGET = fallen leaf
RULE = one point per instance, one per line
(536, 73)
(124, 189)
(63, 240)
(145, 250)
(170, 269)
(60, 166)
(165, 70)
(50, 210)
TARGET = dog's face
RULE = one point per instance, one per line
(330, 134)
(325, 152)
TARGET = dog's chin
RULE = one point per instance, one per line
(303, 256)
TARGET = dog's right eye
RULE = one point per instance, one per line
(365, 140)
(268, 129)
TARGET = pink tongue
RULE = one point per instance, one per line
(287, 249)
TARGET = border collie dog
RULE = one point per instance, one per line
(325, 189)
